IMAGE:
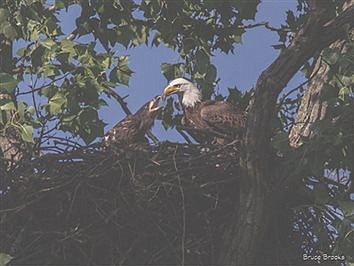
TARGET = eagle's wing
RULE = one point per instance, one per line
(223, 116)
(122, 132)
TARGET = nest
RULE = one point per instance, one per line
(167, 206)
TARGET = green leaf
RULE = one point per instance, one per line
(31, 110)
(121, 73)
(32, 27)
(50, 70)
(49, 91)
(7, 104)
(67, 46)
(167, 114)
(37, 56)
(211, 74)
(290, 19)
(59, 4)
(168, 71)
(7, 82)
(90, 126)
(188, 44)
(55, 103)
(172, 71)
(21, 52)
(237, 38)
(21, 110)
(5, 259)
(202, 61)
(48, 43)
(344, 93)
(347, 80)
(27, 133)
(247, 9)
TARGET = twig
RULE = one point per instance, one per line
(300, 85)
(334, 183)
(264, 24)
(119, 99)
(43, 86)
(180, 131)
(152, 137)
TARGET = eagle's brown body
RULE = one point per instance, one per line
(130, 132)
(214, 122)
(208, 122)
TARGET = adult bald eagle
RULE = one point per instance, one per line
(216, 122)
(130, 132)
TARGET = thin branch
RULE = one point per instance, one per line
(300, 85)
(266, 25)
(180, 131)
(43, 86)
(334, 183)
(119, 99)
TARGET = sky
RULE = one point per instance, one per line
(240, 69)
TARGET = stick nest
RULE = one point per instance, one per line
(165, 206)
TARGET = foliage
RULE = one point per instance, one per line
(73, 76)
(325, 160)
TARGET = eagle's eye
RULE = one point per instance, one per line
(178, 85)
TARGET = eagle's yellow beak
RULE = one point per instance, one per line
(170, 90)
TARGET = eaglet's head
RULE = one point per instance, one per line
(188, 91)
(148, 112)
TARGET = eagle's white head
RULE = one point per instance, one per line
(190, 93)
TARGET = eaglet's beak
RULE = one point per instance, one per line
(154, 104)
(170, 89)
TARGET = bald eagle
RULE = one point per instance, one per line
(130, 132)
(216, 122)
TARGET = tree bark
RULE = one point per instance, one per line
(247, 230)
(312, 107)
(11, 145)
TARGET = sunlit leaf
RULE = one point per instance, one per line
(7, 104)
(27, 133)
(5, 259)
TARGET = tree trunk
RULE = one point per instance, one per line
(244, 236)
(312, 107)
(11, 145)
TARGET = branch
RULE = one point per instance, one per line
(312, 108)
(246, 233)
(33, 90)
(119, 99)
(313, 74)
(311, 38)
(264, 24)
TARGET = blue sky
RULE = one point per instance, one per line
(240, 69)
